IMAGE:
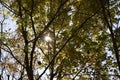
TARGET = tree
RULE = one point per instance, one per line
(76, 39)
(109, 21)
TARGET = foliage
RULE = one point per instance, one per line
(83, 43)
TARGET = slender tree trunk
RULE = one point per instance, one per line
(30, 74)
(54, 52)
(8, 77)
(0, 77)
(52, 71)
(109, 24)
(1, 35)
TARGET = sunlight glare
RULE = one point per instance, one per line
(47, 38)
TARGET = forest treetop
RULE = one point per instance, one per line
(84, 39)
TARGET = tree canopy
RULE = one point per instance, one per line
(60, 39)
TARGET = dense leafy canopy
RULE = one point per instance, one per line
(60, 39)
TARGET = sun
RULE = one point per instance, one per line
(48, 38)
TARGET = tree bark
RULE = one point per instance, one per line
(110, 24)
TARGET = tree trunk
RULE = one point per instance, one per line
(30, 73)
(107, 19)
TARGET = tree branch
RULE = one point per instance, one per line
(110, 25)
(73, 35)
(7, 7)
(11, 52)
